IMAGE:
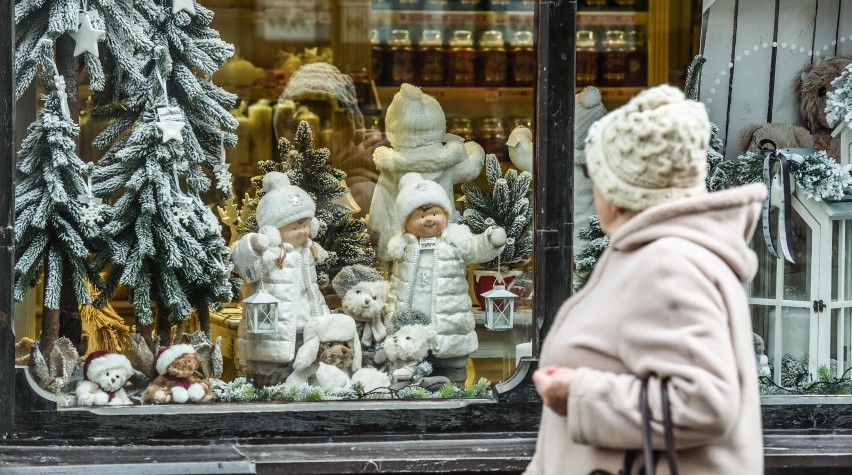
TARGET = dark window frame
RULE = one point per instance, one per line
(26, 411)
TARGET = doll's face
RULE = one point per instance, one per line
(426, 221)
(296, 233)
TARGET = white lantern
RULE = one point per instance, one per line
(260, 312)
(499, 308)
(803, 310)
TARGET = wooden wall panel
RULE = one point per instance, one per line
(826, 23)
(844, 31)
(796, 22)
(749, 99)
(716, 47)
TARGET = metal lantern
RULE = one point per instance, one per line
(260, 312)
(499, 308)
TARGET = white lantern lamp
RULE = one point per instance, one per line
(260, 312)
(499, 306)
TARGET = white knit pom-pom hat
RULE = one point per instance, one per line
(651, 150)
(414, 119)
(415, 192)
(283, 203)
(97, 362)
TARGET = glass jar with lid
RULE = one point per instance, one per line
(493, 61)
(377, 54)
(462, 127)
(522, 59)
(461, 60)
(491, 136)
(401, 57)
(438, 5)
(614, 58)
(464, 5)
(595, 3)
(588, 58)
(637, 60)
(407, 4)
(625, 3)
(431, 58)
(497, 5)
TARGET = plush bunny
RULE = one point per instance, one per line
(331, 352)
(105, 373)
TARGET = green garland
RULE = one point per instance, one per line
(241, 390)
(819, 177)
(838, 103)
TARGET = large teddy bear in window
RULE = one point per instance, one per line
(416, 129)
(811, 86)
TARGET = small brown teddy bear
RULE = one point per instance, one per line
(812, 86)
(330, 354)
(176, 381)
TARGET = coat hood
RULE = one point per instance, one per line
(722, 222)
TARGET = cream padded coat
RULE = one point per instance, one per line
(666, 298)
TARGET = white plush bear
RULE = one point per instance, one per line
(105, 373)
(407, 346)
(363, 293)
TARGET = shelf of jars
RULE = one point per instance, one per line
(452, 94)
(419, 17)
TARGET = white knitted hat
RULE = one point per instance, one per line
(651, 150)
(283, 203)
(414, 119)
(415, 192)
(168, 354)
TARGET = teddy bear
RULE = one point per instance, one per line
(410, 336)
(330, 354)
(363, 293)
(104, 373)
(811, 86)
(176, 382)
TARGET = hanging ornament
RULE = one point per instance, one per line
(182, 207)
(170, 119)
(221, 171)
(87, 36)
(91, 211)
(179, 5)
(59, 82)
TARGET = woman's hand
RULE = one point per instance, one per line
(552, 385)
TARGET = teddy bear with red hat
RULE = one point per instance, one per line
(176, 381)
(104, 374)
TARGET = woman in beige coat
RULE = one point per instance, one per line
(665, 300)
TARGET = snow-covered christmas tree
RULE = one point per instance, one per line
(166, 244)
(58, 220)
(49, 38)
(344, 237)
(506, 204)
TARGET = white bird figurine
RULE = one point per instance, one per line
(521, 148)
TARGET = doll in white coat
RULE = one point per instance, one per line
(430, 271)
(284, 257)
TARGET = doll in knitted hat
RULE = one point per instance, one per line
(416, 129)
(104, 374)
(176, 380)
(283, 256)
(430, 270)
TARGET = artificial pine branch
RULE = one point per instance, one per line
(506, 204)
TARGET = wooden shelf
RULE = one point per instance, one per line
(616, 93)
(486, 94)
(417, 17)
(611, 18)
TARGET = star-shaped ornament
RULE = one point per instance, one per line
(87, 36)
(171, 130)
(179, 5)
